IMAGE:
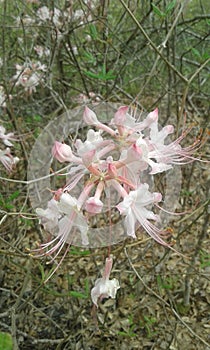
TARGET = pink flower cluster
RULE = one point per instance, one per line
(112, 159)
(6, 158)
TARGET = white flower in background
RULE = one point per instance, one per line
(84, 99)
(42, 51)
(7, 137)
(7, 159)
(29, 75)
(75, 50)
(43, 13)
(57, 17)
(24, 19)
(3, 97)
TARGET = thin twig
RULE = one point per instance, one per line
(152, 44)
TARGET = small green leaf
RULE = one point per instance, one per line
(37, 118)
(157, 11)
(150, 320)
(42, 272)
(5, 341)
(103, 70)
(87, 287)
(170, 6)
(196, 52)
(77, 251)
(78, 295)
(204, 259)
(205, 56)
(93, 31)
(101, 75)
(107, 76)
(13, 196)
(91, 74)
(127, 334)
(9, 206)
(167, 284)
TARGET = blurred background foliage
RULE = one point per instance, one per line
(98, 49)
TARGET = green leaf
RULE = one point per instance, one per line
(9, 206)
(37, 118)
(204, 259)
(42, 272)
(93, 31)
(167, 284)
(103, 70)
(150, 320)
(5, 341)
(78, 251)
(170, 6)
(206, 56)
(89, 57)
(87, 286)
(92, 75)
(196, 52)
(157, 11)
(101, 75)
(78, 295)
(13, 196)
(107, 76)
(127, 334)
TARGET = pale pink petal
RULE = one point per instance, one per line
(94, 205)
(89, 117)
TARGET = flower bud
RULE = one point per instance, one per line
(89, 117)
(93, 205)
(120, 115)
(62, 152)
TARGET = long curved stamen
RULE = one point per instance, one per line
(170, 212)
(60, 262)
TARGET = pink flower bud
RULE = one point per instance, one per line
(153, 116)
(157, 197)
(169, 129)
(90, 117)
(134, 153)
(94, 205)
(112, 171)
(62, 152)
(120, 115)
